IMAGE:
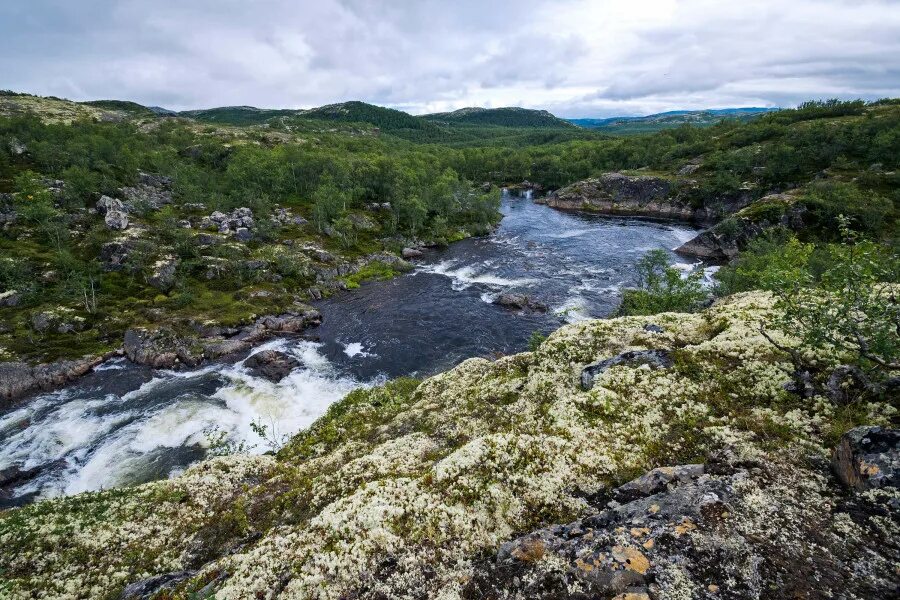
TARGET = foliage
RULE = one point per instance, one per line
(534, 342)
(662, 288)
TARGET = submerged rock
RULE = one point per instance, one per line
(273, 365)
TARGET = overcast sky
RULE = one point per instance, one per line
(576, 58)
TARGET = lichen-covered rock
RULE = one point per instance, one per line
(106, 204)
(162, 275)
(410, 490)
(654, 359)
(116, 219)
(868, 457)
(151, 192)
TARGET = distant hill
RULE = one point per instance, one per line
(501, 117)
(355, 111)
(667, 120)
(132, 108)
(237, 115)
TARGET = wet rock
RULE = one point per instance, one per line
(160, 349)
(868, 457)
(116, 219)
(162, 276)
(225, 348)
(106, 204)
(411, 253)
(655, 359)
(154, 587)
(519, 302)
(18, 378)
(273, 365)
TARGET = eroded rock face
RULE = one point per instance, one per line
(868, 457)
(273, 365)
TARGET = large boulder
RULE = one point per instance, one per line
(116, 219)
(868, 457)
(160, 348)
(106, 204)
(162, 276)
(18, 378)
(273, 365)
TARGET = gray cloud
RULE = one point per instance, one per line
(575, 57)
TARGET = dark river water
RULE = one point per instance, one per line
(123, 424)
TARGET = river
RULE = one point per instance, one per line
(124, 424)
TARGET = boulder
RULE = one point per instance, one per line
(519, 302)
(116, 219)
(411, 253)
(18, 378)
(159, 349)
(868, 457)
(242, 234)
(655, 359)
(114, 255)
(106, 204)
(151, 192)
(273, 365)
(10, 298)
(162, 276)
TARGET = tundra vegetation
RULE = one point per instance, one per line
(496, 479)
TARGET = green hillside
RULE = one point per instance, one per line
(501, 117)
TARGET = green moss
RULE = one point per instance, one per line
(376, 270)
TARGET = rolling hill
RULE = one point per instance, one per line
(499, 117)
(668, 120)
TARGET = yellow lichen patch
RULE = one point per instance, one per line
(632, 596)
(868, 468)
(631, 558)
(637, 532)
(649, 544)
(654, 508)
(684, 527)
(530, 551)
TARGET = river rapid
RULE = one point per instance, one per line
(123, 424)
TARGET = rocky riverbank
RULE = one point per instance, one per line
(644, 196)
(511, 478)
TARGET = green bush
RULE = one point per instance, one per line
(661, 288)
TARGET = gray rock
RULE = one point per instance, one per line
(10, 298)
(152, 587)
(242, 234)
(106, 204)
(18, 378)
(116, 219)
(114, 255)
(162, 276)
(650, 327)
(411, 253)
(868, 457)
(225, 348)
(17, 148)
(160, 348)
(42, 321)
(656, 481)
(271, 364)
(656, 359)
(152, 192)
(519, 302)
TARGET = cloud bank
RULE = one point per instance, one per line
(572, 57)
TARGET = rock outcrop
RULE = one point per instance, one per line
(868, 457)
(723, 241)
(18, 378)
(273, 365)
(635, 196)
(504, 479)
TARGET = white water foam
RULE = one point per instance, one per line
(464, 277)
(354, 349)
(101, 447)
